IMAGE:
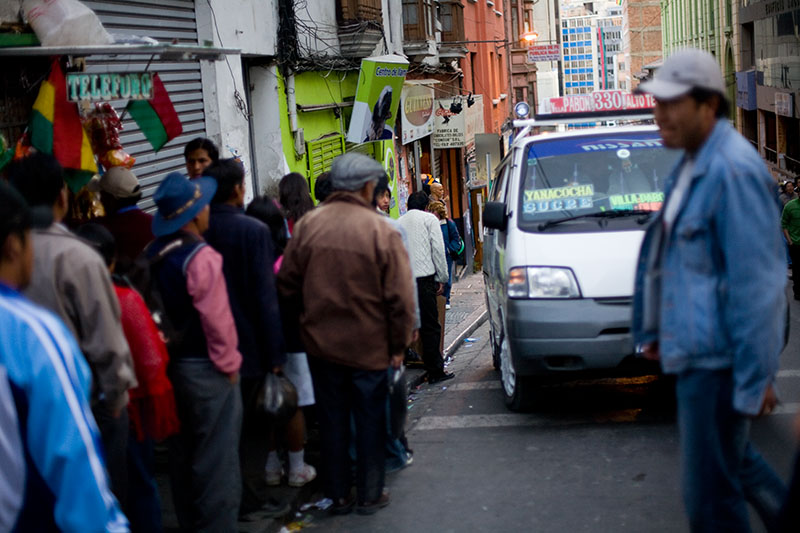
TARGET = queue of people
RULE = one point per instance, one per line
(179, 316)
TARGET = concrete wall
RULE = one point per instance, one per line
(317, 29)
(252, 27)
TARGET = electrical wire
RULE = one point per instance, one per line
(241, 105)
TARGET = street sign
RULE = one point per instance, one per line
(598, 101)
(543, 52)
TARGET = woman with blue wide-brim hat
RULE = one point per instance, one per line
(179, 201)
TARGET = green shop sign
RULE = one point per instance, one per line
(109, 86)
(380, 82)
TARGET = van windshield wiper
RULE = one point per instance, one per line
(617, 213)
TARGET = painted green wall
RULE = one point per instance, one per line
(318, 88)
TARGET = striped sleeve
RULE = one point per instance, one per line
(61, 434)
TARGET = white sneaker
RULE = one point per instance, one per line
(274, 477)
(447, 306)
(298, 479)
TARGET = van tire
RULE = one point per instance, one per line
(518, 391)
(495, 349)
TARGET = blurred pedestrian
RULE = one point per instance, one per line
(429, 265)
(353, 325)
(452, 243)
(383, 200)
(205, 361)
(295, 369)
(294, 198)
(63, 485)
(709, 298)
(245, 244)
(322, 187)
(70, 279)
(131, 227)
(787, 193)
(790, 223)
(267, 210)
(151, 410)
(199, 153)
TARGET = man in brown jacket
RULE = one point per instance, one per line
(346, 280)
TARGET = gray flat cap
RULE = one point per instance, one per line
(352, 170)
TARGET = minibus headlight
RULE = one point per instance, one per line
(542, 282)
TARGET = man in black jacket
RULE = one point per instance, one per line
(246, 248)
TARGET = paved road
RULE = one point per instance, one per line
(596, 456)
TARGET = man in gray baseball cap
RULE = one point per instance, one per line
(709, 298)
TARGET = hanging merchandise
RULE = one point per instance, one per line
(156, 117)
(6, 152)
(103, 126)
(55, 128)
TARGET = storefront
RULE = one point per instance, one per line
(178, 66)
(457, 120)
(417, 123)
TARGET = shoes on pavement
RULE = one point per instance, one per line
(372, 507)
(343, 506)
(447, 306)
(271, 509)
(298, 479)
(274, 477)
(444, 376)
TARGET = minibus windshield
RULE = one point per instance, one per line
(581, 175)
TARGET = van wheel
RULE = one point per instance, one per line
(518, 391)
(495, 348)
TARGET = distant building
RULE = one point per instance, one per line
(641, 41)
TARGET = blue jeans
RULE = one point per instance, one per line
(720, 469)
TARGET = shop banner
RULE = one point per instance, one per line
(457, 122)
(543, 52)
(380, 82)
(417, 110)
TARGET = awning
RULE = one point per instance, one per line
(173, 52)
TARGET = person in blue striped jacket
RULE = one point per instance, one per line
(66, 485)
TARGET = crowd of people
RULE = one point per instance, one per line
(134, 329)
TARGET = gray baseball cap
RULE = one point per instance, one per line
(683, 71)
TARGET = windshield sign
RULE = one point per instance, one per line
(594, 173)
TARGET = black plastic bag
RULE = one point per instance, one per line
(277, 398)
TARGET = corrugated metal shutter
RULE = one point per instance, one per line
(164, 20)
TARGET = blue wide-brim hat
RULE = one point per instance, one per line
(179, 200)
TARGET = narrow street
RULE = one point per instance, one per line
(595, 456)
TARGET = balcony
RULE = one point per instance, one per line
(360, 26)
(418, 32)
(451, 17)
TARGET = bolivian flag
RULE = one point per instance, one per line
(55, 128)
(156, 117)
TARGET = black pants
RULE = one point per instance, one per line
(430, 331)
(253, 447)
(341, 392)
(794, 254)
(114, 433)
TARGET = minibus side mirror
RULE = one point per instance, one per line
(494, 216)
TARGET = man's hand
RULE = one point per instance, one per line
(769, 403)
(439, 289)
(397, 361)
(650, 351)
(233, 378)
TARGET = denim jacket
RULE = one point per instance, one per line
(710, 289)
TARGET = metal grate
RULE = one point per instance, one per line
(166, 21)
(322, 152)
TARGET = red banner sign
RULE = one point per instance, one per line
(598, 101)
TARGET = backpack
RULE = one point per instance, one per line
(455, 244)
(141, 277)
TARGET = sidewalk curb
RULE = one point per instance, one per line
(452, 348)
